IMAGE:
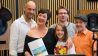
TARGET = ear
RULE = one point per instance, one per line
(85, 23)
(24, 8)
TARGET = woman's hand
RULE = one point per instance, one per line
(27, 53)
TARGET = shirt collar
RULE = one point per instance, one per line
(83, 32)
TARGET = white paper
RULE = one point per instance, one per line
(38, 48)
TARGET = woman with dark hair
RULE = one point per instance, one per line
(62, 36)
(41, 31)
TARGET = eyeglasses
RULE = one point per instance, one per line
(62, 13)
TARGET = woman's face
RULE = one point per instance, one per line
(59, 31)
(42, 18)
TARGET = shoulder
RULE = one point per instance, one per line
(17, 21)
(71, 24)
(51, 29)
(53, 26)
(31, 31)
(33, 22)
(90, 35)
(89, 32)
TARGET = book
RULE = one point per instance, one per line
(38, 48)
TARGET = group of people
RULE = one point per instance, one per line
(24, 30)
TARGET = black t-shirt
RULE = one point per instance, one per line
(48, 40)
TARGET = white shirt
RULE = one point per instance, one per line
(18, 31)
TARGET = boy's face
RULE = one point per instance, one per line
(62, 15)
(59, 31)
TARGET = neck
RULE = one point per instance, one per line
(27, 19)
(41, 27)
(82, 30)
(63, 23)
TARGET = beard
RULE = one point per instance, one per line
(79, 29)
(30, 16)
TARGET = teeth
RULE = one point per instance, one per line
(60, 36)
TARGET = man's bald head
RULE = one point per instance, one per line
(29, 9)
(30, 3)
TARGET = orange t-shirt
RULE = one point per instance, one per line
(83, 42)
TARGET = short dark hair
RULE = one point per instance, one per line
(49, 14)
(61, 7)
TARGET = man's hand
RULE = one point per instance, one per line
(69, 43)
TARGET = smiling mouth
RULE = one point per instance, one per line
(60, 36)
(40, 20)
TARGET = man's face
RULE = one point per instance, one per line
(30, 10)
(80, 24)
(62, 15)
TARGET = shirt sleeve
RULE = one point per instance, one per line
(72, 31)
(13, 39)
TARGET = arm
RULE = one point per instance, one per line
(26, 50)
(95, 45)
(27, 53)
(69, 43)
(95, 48)
(13, 39)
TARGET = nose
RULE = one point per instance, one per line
(32, 11)
(60, 32)
(78, 24)
(41, 17)
(63, 14)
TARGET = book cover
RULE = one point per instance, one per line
(38, 48)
